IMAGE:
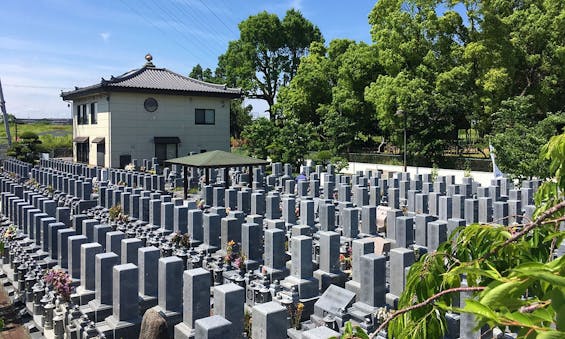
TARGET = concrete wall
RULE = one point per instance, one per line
(130, 129)
(482, 177)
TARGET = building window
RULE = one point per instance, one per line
(79, 114)
(82, 152)
(82, 115)
(205, 116)
(93, 112)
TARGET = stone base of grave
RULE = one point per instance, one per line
(207, 248)
(146, 302)
(172, 318)
(391, 300)
(307, 288)
(163, 232)
(353, 286)
(251, 265)
(276, 274)
(96, 311)
(82, 296)
(195, 243)
(359, 312)
(84, 205)
(182, 331)
(326, 279)
(32, 248)
(308, 307)
(293, 333)
(315, 333)
(39, 256)
(72, 331)
(113, 328)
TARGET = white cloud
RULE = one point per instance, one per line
(296, 4)
(105, 36)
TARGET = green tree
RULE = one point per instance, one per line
(203, 74)
(513, 277)
(466, 68)
(310, 87)
(259, 135)
(328, 91)
(240, 116)
(27, 148)
(419, 51)
(287, 141)
(291, 143)
(267, 53)
(518, 135)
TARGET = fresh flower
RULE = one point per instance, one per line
(61, 282)
(10, 232)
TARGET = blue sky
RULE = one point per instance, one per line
(51, 45)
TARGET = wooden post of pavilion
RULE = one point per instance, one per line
(185, 182)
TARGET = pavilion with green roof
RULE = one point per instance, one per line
(215, 159)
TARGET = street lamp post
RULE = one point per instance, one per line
(403, 113)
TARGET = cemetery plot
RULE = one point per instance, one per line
(89, 251)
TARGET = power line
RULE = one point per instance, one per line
(180, 22)
(234, 22)
(217, 17)
(167, 17)
(33, 86)
(197, 18)
(157, 27)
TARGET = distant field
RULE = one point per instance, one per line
(56, 139)
(41, 129)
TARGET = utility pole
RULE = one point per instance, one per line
(5, 115)
(402, 113)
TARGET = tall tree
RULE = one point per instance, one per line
(328, 91)
(267, 53)
(207, 75)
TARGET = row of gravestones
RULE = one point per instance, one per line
(45, 227)
(303, 280)
(151, 181)
(110, 282)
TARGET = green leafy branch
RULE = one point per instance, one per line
(424, 303)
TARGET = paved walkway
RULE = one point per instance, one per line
(482, 177)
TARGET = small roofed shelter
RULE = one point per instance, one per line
(215, 159)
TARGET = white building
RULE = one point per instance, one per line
(148, 112)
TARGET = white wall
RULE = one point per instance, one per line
(481, 177)
(133, 128)
(100, 129)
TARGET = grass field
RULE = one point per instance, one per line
(39, 129)
(56, 139)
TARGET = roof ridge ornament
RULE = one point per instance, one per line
(149, 59)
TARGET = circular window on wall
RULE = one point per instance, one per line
(150, 105)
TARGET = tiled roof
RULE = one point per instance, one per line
(216, 159)
(152, 79)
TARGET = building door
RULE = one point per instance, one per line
(165, 151)
(100, 154)
(166, 148)
(82, 152)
